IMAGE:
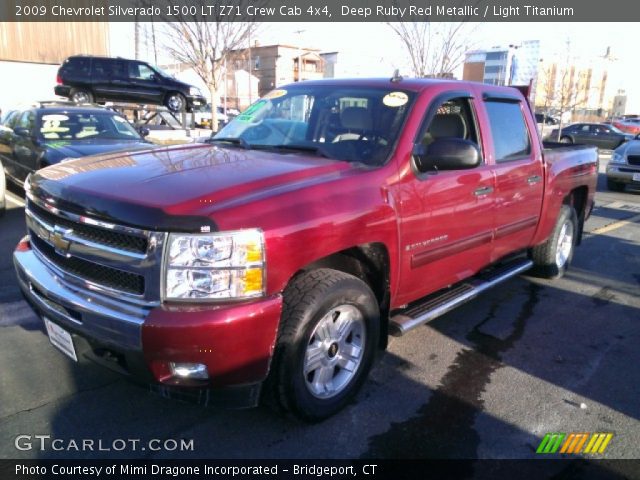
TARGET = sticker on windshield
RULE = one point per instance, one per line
(54, 117)
(275, 94)
(395, 99)
(250, 113)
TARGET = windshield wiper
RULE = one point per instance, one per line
(241, 142)
(317, 150)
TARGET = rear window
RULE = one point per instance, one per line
(509, 130)
(77, 66)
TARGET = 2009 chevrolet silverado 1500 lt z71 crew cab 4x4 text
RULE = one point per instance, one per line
(274, 262)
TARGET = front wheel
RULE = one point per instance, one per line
(552, 258)
(566, 140)
(326, 343)
(176, 102)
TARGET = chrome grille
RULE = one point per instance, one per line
(118, 261)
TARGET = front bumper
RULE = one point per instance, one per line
(622, 173)
(195, 101)
(235, 342)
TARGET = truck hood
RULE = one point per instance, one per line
(151, 189)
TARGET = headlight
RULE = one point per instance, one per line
(617, 158)
(195, 92)
(215, 266)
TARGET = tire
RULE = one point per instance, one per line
(615, 186)
(317, 305)
(552, 258)
(566, 140)
(78, 95)
(176, 102)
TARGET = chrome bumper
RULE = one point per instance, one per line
(82, 311)
(622, 174)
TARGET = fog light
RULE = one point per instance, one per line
(189, 370)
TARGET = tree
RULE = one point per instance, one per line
(435, 49)
(205, 45)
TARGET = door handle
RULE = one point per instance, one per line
(483, 191)
(534, 179)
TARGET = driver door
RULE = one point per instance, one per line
(446, 217)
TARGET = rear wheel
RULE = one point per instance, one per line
(78, 95)
(552, 258)
(615, 186)
(326, 344)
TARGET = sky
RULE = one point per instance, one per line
(377, 41)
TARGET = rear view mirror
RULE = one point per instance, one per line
(446, 154)
(22, 132)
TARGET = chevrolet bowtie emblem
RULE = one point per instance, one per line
(59, 240)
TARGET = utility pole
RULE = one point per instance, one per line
(299, 32)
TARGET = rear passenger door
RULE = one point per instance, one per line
(518, 171)
(446, 216)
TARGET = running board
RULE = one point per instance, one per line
(436, 305)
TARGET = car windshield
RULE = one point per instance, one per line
(162, 72)
(354, 124)
(615, 129)
(85, 126)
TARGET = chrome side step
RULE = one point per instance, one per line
(436, 305)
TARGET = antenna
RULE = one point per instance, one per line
(396, 76)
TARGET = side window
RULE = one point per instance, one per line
(78, 66)
(509, 130)
(453, 118)
(140, 71)
(27, 120)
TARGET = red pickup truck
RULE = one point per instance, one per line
(272, 263)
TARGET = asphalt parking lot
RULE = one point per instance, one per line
(488, 380)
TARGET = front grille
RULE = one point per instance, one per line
(634, 160)
(98, 274)
(122, 241)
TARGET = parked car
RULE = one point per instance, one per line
(603, 136)
(624, 167)
(203, 116)
(47, 133)
(86, 79)
(543, 119)
(629, 125)
(273, 263)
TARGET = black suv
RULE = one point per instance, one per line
(85, 79)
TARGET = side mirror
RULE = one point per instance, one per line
(447, 153)
(143, 131)
(22, 132)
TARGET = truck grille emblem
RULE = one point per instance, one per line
(59, 240)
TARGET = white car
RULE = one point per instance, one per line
(202, 116)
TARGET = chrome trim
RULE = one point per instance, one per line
(102, 317)
(403, 324)
(148, 264)
(117, 253)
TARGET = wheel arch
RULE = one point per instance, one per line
(577, 199)
(370, 263)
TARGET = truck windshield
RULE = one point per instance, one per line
(85, 126)
(354, 124)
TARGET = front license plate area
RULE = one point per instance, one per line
(636, 177)
(61, 339)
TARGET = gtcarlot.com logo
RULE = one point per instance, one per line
(47, 442)
(594, 443)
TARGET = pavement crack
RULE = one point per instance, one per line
(55, 400)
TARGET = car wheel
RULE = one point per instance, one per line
(80, 96)
(566, 140)
(326, 343)
(175, 102)
(552, 258)
(615, 186)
